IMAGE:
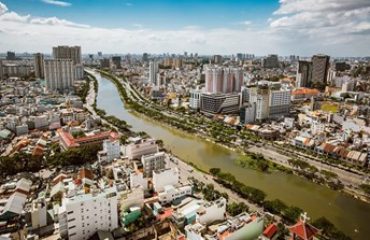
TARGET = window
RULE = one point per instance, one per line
(70, 212)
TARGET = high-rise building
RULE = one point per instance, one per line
(271, 61)
(271, 100)
(320, 67)
(116, 60)
(153, 70)
(10, 56)
(59, 74)
(145, 57)
(223, 80)
(304, 74)
(67, 52)
(39, 65)
(217, 59)
(105, 63)
(80, 216)
(342, 66)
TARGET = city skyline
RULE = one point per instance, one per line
(334, 27)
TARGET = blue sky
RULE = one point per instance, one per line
(284, 27)
(161, 14)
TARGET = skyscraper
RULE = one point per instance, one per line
(271, 61)
(223, 80)
(304, 74)
(39, 65)
(59, 74)
(153, 70)
(320, 67)
(66, 52)
(116, 60)
(10, 56)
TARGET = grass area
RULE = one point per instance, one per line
(329, 107)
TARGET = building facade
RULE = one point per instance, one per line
(59, 75)
(80, 216)
(320, 68)
(153, 162)
(39, 65)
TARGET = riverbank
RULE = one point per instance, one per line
(346, 213)
(124, 88)
(238, 192)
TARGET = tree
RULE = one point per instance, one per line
(291, 214)
(275, 206)
(214, 171)
(236, 208)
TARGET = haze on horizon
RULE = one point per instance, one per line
(301, 27)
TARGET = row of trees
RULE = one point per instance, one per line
(151, 112)
(289, 213)
(83, 91)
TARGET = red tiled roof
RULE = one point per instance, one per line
(270, 231)
(303, 230)
(68, 139)
(305, 91)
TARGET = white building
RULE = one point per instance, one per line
(141, 147)
(170, 193)
(195, 231)
(210, 212)
(153, 162)
(59, 74)
(111, 150)
(38, 214)
(271, 99)
(137, 179)
(194, 100)
(279, 101)
(80, 216)
(164, 177)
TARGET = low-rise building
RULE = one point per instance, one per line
(164, 177)
(111, 150)
(141, 147)
(153, 162)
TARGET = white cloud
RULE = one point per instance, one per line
(128, 4)
(293, 29)
(53, 21)
(14, 17)
(3, 8)
(329, 24)
(57, 3)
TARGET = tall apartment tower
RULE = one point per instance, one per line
(153, 70)
(39, 65)
(66, 52)
(59, 74)
(271, 61)
(320, 67)
(304, 74)
(223, 80)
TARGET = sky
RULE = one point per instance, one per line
(284, 27)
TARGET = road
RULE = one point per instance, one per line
(186, 172)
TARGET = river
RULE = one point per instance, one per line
(345, 212)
